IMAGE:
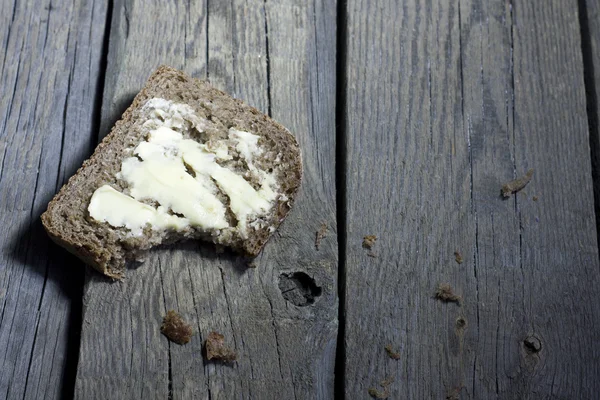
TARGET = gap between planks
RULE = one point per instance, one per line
(340, 187)
(591, 99)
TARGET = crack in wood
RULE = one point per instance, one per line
(268, 60)
(9, 30)
(37, 325)
(126, 15)
(12, 96)
(2, 169)
(275, 334)
(233, 53)
(47, 28)
(169, 365)
(231, 319)
(207, 41)
(64, 125)
(512, 88)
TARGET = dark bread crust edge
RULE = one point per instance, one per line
(84, 254)
(89, 252)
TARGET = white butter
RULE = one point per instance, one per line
(220, 150)
(244, 200)
(109, 205)
(159, 170)
(162, 176)
(246, 144)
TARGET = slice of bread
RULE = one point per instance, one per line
(237, 139)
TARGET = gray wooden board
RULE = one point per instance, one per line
(278, 56)
(467, 95)
(49, 80)
(590, 31)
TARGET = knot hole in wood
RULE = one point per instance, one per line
(533, 344)
(298, 288)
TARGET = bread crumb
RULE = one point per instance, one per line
(378, 394)
(175, 328)
(321, 233)
(458, 257)
(368, 243)
(516, 185)
(382, 394)
(445, 293)
(217, 350)
(391, 353)
(535, 198)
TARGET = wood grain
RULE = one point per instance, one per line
(468, 95)
(279, 57)
(49, 80)
(589, 17)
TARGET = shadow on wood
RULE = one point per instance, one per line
(208, 251)
(32, 248)
(118, 107)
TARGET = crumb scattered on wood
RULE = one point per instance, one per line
(175, 328)
(382, 394)
(321, 233)
(458, 257)
(535, 198)
(378, 394)
(445, 293)
(368, 243)
(516, 185)
(217, 350)
(391, 353)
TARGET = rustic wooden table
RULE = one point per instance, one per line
(410, 114)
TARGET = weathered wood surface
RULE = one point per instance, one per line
(279, 57)
(589, 17)
(49, 80)
(469, 94)
(445, 101)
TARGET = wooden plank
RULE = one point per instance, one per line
(562, 309)
(50, 69)
(589, 16)
(278, 57)
(469, 94)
